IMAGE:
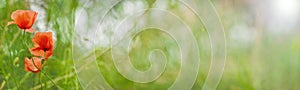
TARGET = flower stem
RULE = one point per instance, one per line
(41, 80)
(14, 39)
(33, 76)
(24, 32)
(44, 74)
(13, 69)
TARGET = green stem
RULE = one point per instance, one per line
(14, 39)
(13, 69)
(50, 78)
(24, 32)
(11, 60)
(33, 83)
(72, 74)
(2, 85)
(40, 77)
(2, 38)
(44, 73)
(22, 80)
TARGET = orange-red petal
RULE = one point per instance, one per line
(48, 54)
(33, 65)
(43, 40)
(43, 44)
(29, 30)
(24, 18)
(11, 22)
(36, 51)
(16, 14)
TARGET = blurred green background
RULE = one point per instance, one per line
(263, 45)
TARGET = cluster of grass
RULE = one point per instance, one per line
(60, 19)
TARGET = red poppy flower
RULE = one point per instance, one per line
(24, 19)
(33, 65)
(43, 44)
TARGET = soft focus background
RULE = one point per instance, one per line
(263, 45)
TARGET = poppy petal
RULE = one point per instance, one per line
(24, 18)
(37, 52)
(31, 17)
(29, 30)
(16, 14)
(11, 22)
(48, 54)
(33, 65)
(43, 44)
